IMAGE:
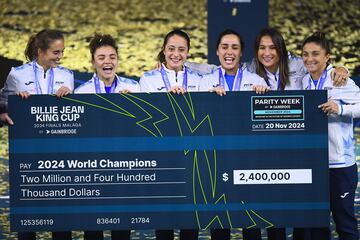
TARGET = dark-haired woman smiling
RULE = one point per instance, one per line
(42, 75)
(342, 106)
(173, 77)
(104, 58)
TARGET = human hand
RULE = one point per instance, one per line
(218, 90)
(260, 89)
(62, 91)
(24, 95)
(124, 91)
(329, 107)
(339, 76)
(5, 119)
(178, 90)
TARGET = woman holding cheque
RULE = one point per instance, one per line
(230, 76)
(342, 106)
(41, 75)
(173, 77)
(104, 57)
(282, 71)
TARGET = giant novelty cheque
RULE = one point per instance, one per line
(163, 161)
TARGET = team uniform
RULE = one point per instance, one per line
(342, 158)
(243, 81)
(297, 71)
(341, 136)
(94, 85)
(32, 78)
(161, 80)
(201, 68)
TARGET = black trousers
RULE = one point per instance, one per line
(220, 234)
(93, 235)
(55, 236)
(252, 234)
(311, 233)
(26, 235)
(120, 235)
(61, 236)
(185, 234)
(343, 183)
(115, 235)
(276, 233)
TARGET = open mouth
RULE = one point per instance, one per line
(107, 70)
(229, 60)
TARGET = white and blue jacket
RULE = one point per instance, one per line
(22, 78)
(121, 84)
(297, 71)
(210, 81)
(340, 126)
(152, 81)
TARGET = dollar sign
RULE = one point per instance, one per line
(225, 177)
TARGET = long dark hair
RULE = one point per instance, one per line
(41, 40)
(100, 40)
(281, 51)
(178, 32)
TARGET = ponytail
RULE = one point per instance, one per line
(41, 40)
(31, 50)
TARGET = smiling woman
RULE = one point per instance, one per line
(172, 76)
(231, 75)
(104, 58)
(105, 62)
(229, 51)
(42, 75)
(343, 105)
(176, 51)
(47, 53)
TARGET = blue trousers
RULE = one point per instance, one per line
(343, 183)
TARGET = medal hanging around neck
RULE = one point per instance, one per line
(167, 82)
(238, 79)
(98, 88)
(50, 89)
(321, 81)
